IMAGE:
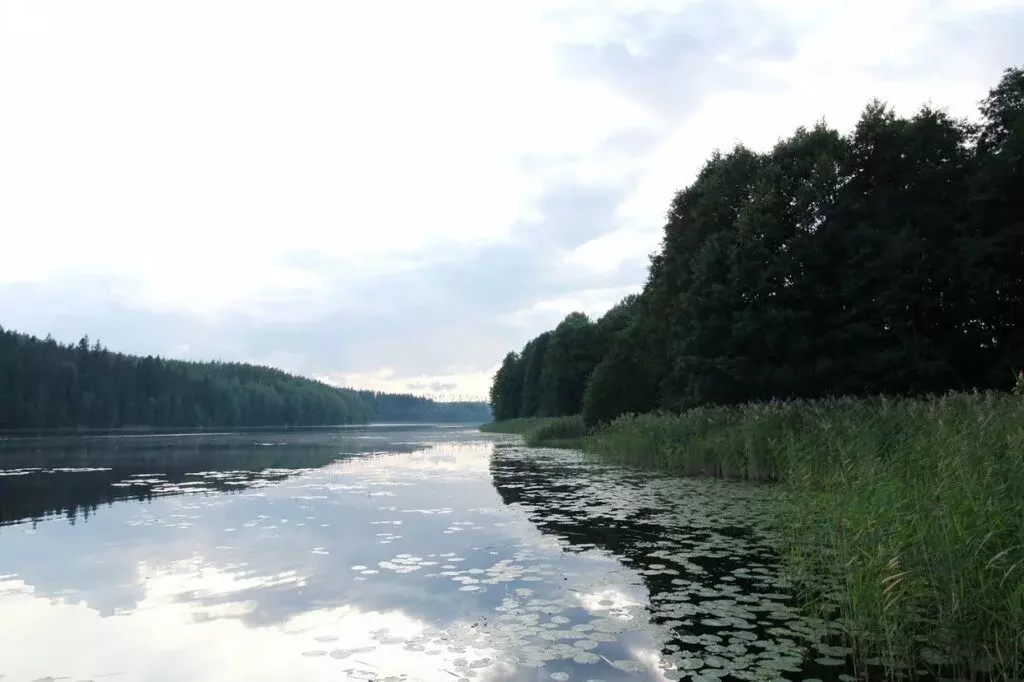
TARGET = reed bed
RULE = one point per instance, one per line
(903, 519)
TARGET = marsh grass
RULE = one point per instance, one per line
(903, 519)
(561, 430)
(543, 431)
(519, 427)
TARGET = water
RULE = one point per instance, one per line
(416, 553)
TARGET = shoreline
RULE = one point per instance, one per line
(902, 519)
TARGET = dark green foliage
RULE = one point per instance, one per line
(532, 359)
(556, 430)
(571, 356)
(622, 382)
(507, 389)
(520, 425)
(994, 242)
(543, 431)
(886, 261)
(44, 384)
(553, 369)
(404, 407)
(894, 317)
(695, 282)
(620, 316)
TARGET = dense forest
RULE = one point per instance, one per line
(887, 261)
(405, 407)
(45, 384)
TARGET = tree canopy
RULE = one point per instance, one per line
(549, 377)
(889, 260)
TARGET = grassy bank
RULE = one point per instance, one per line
(903, 518)
(521, 427)
(543, 431)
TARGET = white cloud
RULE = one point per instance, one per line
(169, 638)
(549, 312)
(608, 251)
(451, 385)
(189, 148)
(276, 173)
(844, 56)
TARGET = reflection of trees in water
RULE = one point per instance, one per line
(644, 520)
(542, 488)
(574, 513)
(160, 469)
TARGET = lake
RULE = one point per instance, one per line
(385, 552)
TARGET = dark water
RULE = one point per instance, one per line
(416, 553)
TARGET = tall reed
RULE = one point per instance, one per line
(519, 427)
(902, 518)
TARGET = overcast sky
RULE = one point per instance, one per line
(393, 194)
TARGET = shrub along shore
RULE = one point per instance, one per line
(903, 519)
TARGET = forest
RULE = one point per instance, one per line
(841, 316)
(404, 407)
(885, 261)
(45, 384)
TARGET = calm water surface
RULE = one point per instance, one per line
(404, 553)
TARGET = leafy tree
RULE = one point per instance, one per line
(902, 203)
(695, 281)
(886, 261)
(765, 300)
(532, 359)
(572, 353)
(994, 244)
(617, 319)
(507, 389)
(622, 382)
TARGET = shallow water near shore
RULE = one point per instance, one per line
(415, 553)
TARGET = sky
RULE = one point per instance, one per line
(394, 194)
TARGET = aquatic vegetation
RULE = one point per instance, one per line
(468, 558)
(902, 519)
(517, 426)
(703, 549)
(552, 431)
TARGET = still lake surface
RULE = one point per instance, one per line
(401, 552)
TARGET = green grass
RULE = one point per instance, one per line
(519, 427)
(543, 431)
(902, 518)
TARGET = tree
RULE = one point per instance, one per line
(507, 388)
(572, 353)
(994, 246)
(694, 298)
(769, 294)
(532, 358)
(622, 382)
(902, 204)
(886, 261)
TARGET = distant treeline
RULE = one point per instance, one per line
(400, 408)
(886, 261)
(46, 384)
